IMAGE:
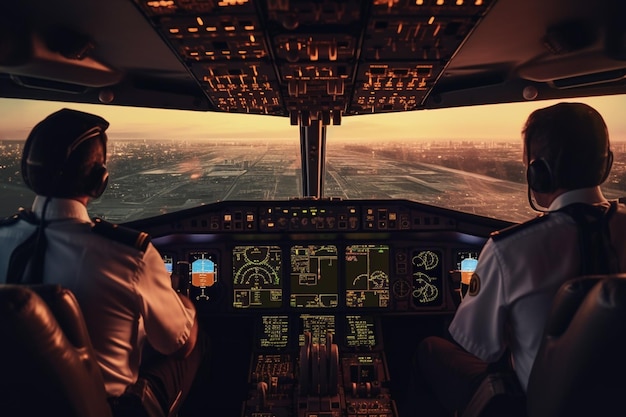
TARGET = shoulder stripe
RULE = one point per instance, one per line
(22, 214)
(7, 221)
(138, 240)
(500, 234)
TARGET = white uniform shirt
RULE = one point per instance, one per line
(125, 294)
(516, 279)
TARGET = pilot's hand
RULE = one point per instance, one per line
(186, 349)
(175, 281)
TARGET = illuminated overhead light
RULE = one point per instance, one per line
(162, 3)
(228, 3)
(459, 2)
(252, 38)
(192, 30)
(478, 2)
(440, 2)
(211, 29)
(419, 2)
(332, 52)
(249, 27)
(399, 28)
(200, 21)
(431, 20)
(229, 27)
(174, 30)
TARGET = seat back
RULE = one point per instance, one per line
(580, 368)
(48, 366)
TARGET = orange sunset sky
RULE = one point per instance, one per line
(502, 121)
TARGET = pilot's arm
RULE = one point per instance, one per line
(169, 318)
(479, 323)
(186, 349)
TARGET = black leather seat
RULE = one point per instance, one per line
(47, 363)
(580, 368)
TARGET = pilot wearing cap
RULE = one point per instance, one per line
(117, 275)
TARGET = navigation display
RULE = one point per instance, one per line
(360, 331)
(273, 332)
(427, 277)
(257, 277)
(203, 275)
(314, 276)
(367, 276)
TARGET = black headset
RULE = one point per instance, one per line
(50, 146)
(540, 176)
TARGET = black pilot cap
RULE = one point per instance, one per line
(52, 141)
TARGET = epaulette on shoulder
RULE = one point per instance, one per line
(501, 234)
(22, 214)
(131, 237)
(8, 221)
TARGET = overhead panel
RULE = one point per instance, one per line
(319, 58)
(407, 45)
(316, 46)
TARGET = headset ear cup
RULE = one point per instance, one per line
(607, 168)
(24, 165)
(539, 176)
(97, 181)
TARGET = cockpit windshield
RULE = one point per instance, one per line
(467, 158)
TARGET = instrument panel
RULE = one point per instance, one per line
(307, 288)
(326, 256)
(402, 277)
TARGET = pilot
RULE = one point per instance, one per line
(117, 275)
(499, 324)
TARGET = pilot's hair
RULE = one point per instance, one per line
(65, 155)
(572, 140)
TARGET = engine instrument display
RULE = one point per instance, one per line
(257, 277)
(367, 275)
(314, 276)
